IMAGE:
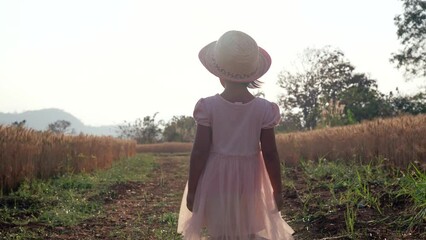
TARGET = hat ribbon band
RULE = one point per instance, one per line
(230, 74)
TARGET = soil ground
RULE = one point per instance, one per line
(149, 210)
(145, 210)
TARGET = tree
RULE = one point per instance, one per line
(290, 122)
(180, 129)
(20, 124)
(60, 126)
(363, 100)
(411, 32)
(322, 77)
(332, 114)
(145, 130)
(408, 104)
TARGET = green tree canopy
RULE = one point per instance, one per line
(321, 78)
(146, 130)
(325, 91)
(20, 124)
(408, 104)
(180, 129)
(411, 32)
(362, 99)
(60, 126)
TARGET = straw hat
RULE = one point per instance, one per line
(235, 57)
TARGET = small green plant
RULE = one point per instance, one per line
(68, 199)
(350, 219)
(363, 191)
(358, 189)
(170, 219)
(413, 185)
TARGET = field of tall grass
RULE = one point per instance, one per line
(166, 147)
(399, 141)
(27, 154)
(364, 181)
(41, 209)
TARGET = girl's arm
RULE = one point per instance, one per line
(199, 154)
(272, 163)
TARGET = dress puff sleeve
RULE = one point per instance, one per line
(201, 113)
(272, 116)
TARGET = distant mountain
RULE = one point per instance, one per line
(40, 119)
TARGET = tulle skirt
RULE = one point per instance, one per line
(233, 200)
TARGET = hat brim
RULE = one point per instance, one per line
(206, 57)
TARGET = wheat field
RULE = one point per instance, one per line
(398, 141)
(26, 154)
(166, 147)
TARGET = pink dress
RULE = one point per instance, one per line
(234, 197)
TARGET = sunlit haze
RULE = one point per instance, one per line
(107, 62)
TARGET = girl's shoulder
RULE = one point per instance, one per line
(215, 100)
(208, 98)
(266, 103)
(205, 102)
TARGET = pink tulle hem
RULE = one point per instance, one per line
(233, 201)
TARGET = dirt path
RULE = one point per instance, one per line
(149, 210)
(138, 210)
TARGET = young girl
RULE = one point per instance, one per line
(234, 186)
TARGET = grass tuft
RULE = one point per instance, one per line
(68, 199)
(363, 196)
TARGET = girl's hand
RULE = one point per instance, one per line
(278, 200)
(190, 201)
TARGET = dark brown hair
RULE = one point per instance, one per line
(255, 84)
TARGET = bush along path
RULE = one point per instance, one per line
(139, 198)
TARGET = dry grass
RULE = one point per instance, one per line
(400, 140)
(26, 154)
(167, 147)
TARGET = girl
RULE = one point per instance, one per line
(234, 186)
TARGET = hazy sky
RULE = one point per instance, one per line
(110, 61)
